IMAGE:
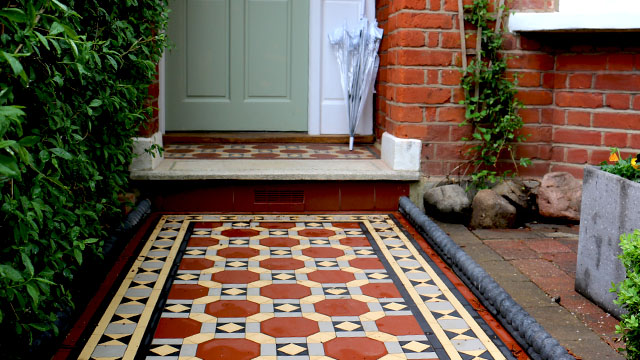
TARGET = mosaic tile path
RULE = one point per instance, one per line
(269, 151)
(292, 287)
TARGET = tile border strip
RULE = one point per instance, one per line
(536, 341)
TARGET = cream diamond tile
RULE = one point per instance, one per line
(259, 317)
(281, 252)
(240, 224)
(283, 276)
(315, 224)
(394, 306)
(238, 242)
(198, 338)
(319, 242)
(113, 342)
(164, 350)
(279, 232)
(234, 291)
(132, 303)
(203, 318)
(372, 316)
(379, 276)
(260, 338)
(380, 336)
(177, 308)
(316, 317)
(327, 263)
(187, 277)
(260, 299)
(321, 337)
(230, 327)
(237, 264)
(195, 252)
(206, 299)
(348, 326)
(123, 321)
(364, 252)
(336, 291)
(287, 307)
(416, 346)
(291, 349)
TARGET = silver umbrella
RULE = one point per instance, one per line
(357, 52)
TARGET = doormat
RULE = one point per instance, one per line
(292, 151)
(288, 287)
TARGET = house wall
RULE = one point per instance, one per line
(581, 90)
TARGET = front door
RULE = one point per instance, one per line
(238, 65)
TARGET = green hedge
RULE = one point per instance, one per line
(74, 81)
(629, 294)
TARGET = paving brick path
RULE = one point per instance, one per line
(537, 266)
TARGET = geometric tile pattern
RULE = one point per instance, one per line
(288, 287)
(269, 151)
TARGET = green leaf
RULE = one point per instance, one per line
(15, 65)
(33, 292)
(40, 326)
(44, 281)
(27, 263)
(95, 103)
(9, 166)
(29, 140)
(11, 273)
(60, 5)
(6, 143)
(62, 153)
(14, 14)
(56, 28)
(78, 255)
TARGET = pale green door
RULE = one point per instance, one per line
(238, 65)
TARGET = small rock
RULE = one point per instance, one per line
(559, 196)
(532, 186)
(448, 203)
(491, 210)
(513, 192)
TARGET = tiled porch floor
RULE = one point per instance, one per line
(289, 151)
(339, 286)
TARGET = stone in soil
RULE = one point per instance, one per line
(491, 210)
(447, 203)
(559, 196)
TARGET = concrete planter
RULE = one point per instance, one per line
(610, 207)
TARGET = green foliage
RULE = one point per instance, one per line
(75, 77)
(491, 105)
(628, 169)
(629, 294)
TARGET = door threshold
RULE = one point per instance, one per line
(260, 137)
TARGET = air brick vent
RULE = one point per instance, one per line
(278, 196)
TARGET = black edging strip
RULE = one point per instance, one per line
(534, 339)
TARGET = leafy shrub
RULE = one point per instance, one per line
(74, 81)
(628, 169)
(629, 294)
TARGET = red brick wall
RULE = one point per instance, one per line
(581, 90)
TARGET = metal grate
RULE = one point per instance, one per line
(278, 196)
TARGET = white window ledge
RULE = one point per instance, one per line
(558, 21)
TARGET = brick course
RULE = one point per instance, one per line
(581, 90)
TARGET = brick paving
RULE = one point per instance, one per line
(537, 266)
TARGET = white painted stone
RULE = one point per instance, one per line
(401, 154)
(143, 160)
(568, 21)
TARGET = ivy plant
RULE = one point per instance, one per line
(629, 295)
(490, 101)
(73, 84)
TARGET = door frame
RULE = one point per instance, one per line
(316, 36)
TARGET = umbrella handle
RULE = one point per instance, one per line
(350, 143)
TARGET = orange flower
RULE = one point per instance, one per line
(635, 162)
(613, 157)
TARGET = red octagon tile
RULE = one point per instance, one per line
(366, 263)
(195, 264)
(277, 225)
(331, 276)
(238, 252)
(285, 291)
(289, 327)
(355, 241)
(354, 348)
(175, 328)
(316, 233)
(282, 264)
(236, 151)
(206, 155)
(341, 307)
(236, 349)
(381, 290)
(206, 225)
(239, 233)
(202, 242)
(187, 291)
(323, 156)
(232, 308)
(399, 325)
(235, 277)
(323, 252)
(265, 155)
(265, 146)
(346, 225)
(279, 242)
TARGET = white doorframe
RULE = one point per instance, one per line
(326, 114)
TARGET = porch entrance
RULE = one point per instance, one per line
(238, 65)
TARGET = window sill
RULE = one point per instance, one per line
(565, 22)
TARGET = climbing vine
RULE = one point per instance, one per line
(490, 100)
